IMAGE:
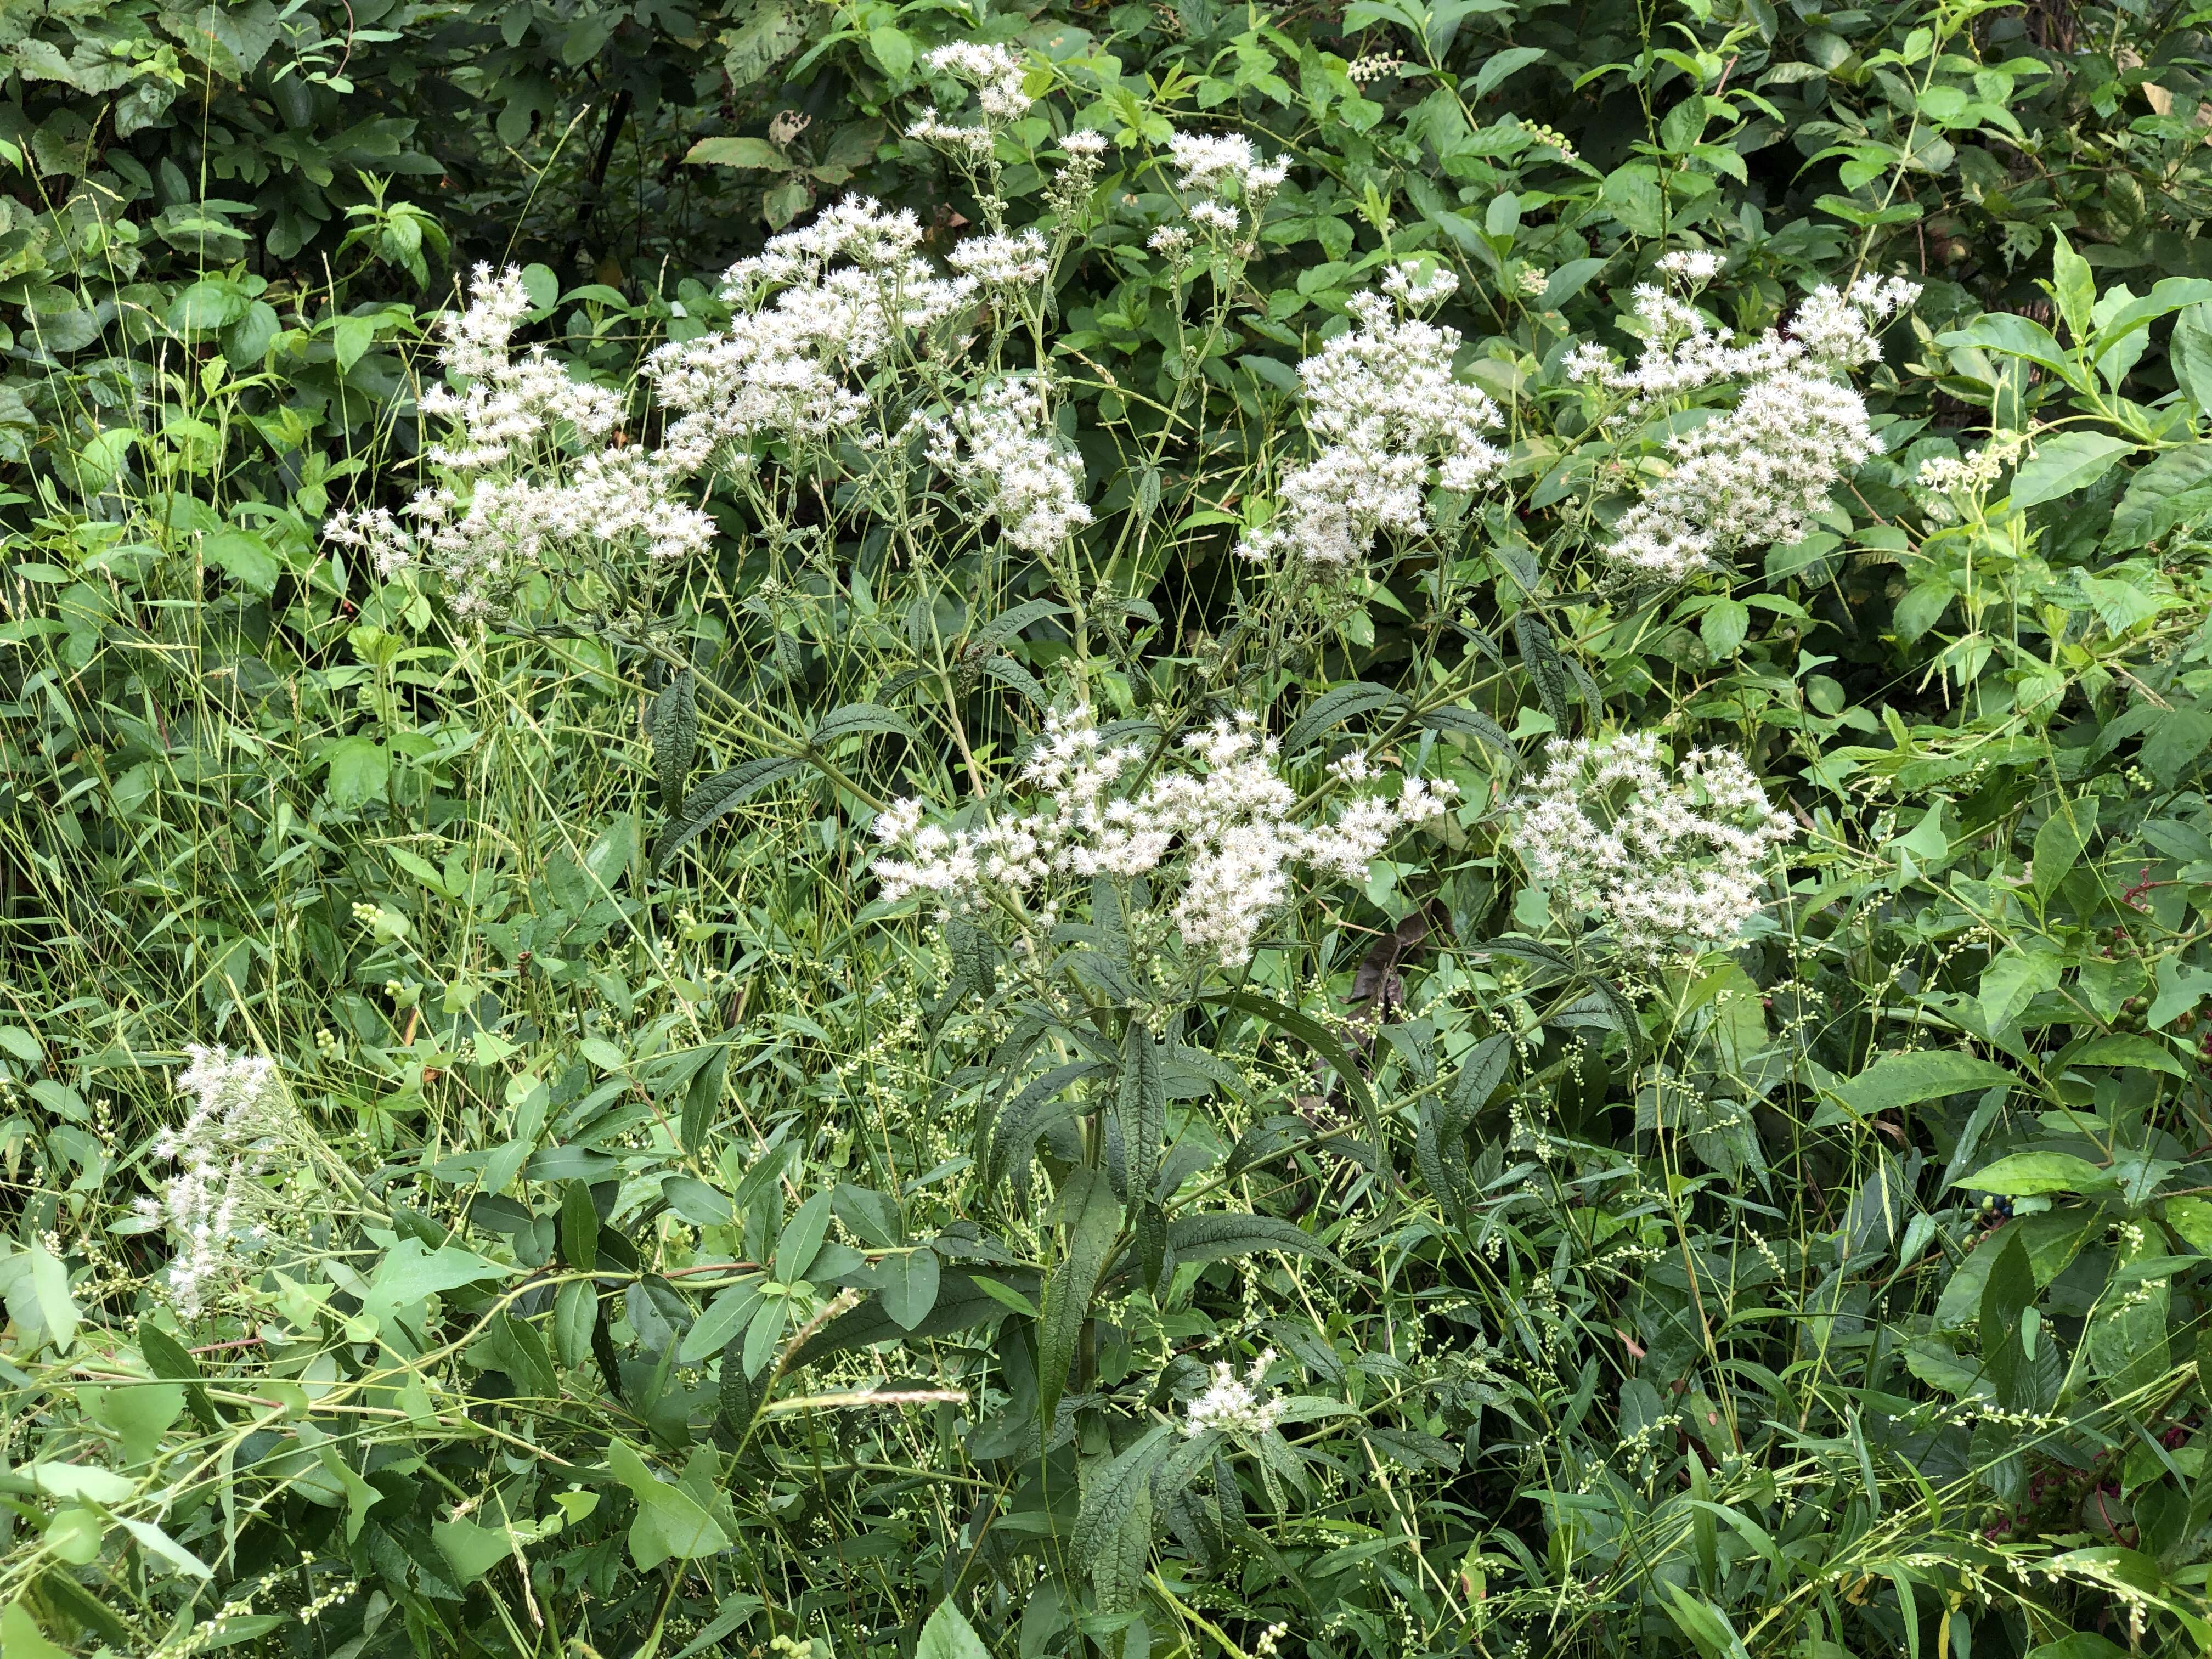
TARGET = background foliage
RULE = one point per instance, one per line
(1842, 1296)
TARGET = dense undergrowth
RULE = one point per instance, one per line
(1370, 831)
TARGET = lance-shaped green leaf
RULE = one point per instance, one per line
(1113, 1528)
(1219, 1236)
(1324, 1044)
(1042, 1102)
(1141, 1105)
(1548, 669)
(1332, 708)
(724, 792)
(674, 727)
(1090, 1219)
(855, 720)
(1440, 1145)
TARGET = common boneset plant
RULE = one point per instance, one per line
(1537, 1070)
(1129, 870)
(858, 380)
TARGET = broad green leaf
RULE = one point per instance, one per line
(2175, 742)
(139, 1413)
(2174, 490)
(580, 1226)
(2190, 353)
(856, 720)
(2026, 1174)
(49, 1292)
(729, 1313)
(244, 557)
(697, 1202)
(2018, 336)
(948, 1635)
(2014, 978)
(893, 49)
(2059, 841)
(1898, 1080)
(1723, 628)
(575, 1312)
(2190, 1220)
(471, 1550)
(2073, 287)
(21, 1638)
(2065, 463)
(85, 1480)
(802, 1235)
(409, 1273)
(2137, 1053)
(908, 1281)
(359, 769)
(1140, 1110)
(752, 153)
(670, 1524)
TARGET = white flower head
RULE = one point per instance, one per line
(1694, 267)
(1234, 1405)
(1004, 448)
(1668, 858)
(241, 1124)
(1393, 420)
(1217, 217)
(1756, 474)
(1215, 830)
(992, 71)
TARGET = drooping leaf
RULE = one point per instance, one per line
(908, 1282)
(1089, 1216)
(1332, 708)
(670, 1524)
(1899, 1080)
(2068, 462)
(724, 792)
(1219, 1236)
(675, 732)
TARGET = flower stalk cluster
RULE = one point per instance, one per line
(1667, 858)
(217, 1207)
(1757, 474)
(1393, 421)
(1221, 829)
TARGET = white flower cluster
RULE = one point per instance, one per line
(1968, 475)
(1222, 825)
(999, 260)
(1233, 1404)
(1003, 448)
(514, 501)
(1756, 474)
(1393, 421)
(1694, 266)
(216, 1204)
(818, 315)
(816, 310)
(996, 75)
(1667, 858)
(1223, 169)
